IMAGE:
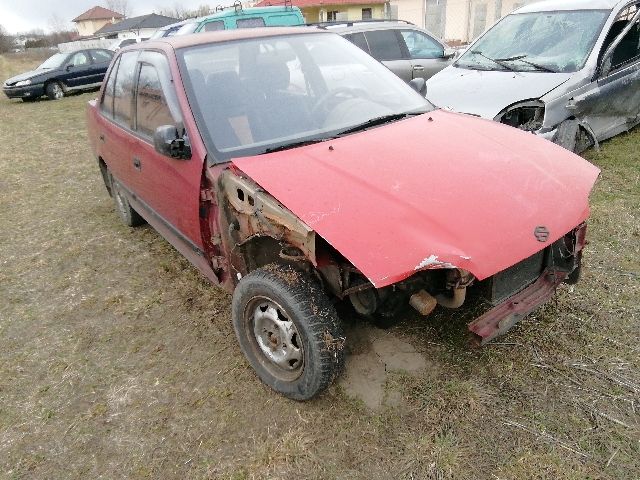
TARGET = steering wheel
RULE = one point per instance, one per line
(322, 103)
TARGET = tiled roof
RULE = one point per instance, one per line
(98, 13)
(153, 20)
(318, 3)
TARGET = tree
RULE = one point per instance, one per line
(181, 13)
(120, 6)
(6, 40)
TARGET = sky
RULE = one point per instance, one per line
(24, 15)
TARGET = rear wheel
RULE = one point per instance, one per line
(54, 91)
(125, 211)
(288, 330)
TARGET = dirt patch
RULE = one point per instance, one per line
(378, 353)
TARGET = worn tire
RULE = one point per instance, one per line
(54, 90)
(311, 332)
(124, 209)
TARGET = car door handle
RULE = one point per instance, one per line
(137, 164)
(418, 68)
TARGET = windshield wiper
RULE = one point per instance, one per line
(506, 66)
(363, 126)
(300, 143)
(377, 121)
(528, 62)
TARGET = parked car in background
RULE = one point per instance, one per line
(567, 70)
(169, 30)
(60, 74)
(125, 42)
(238, 17)
(295, 170)
(408, 51)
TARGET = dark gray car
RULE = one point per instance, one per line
(408, 51)
(60, 74)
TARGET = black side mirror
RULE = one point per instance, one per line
(419, 85)
(69, 67)
(449, 53)
(168, 142)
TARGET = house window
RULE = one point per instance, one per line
(367, 14)
(332, 16)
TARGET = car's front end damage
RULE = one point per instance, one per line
(260, 231)
(367, 243)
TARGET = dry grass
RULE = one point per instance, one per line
(118, 360)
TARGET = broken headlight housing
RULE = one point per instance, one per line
(527, 116)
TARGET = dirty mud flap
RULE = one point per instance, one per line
(500, 319)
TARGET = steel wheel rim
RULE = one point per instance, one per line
(57, 91)
(275, 338)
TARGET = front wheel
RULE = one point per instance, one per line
(288, 330)
(54, 91)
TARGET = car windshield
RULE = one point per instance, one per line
(256, 95)
(540, 41)
(53, 62)
(187, 28)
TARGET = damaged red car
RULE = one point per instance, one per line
(295, 171)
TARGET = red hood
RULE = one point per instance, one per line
(433, 191)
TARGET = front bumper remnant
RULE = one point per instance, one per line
(501, 318)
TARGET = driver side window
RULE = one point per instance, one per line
(79, 59)
(628, 50)
(421, 45)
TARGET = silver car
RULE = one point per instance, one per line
(408, 51)
(568, 70)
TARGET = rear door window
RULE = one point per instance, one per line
(123, 89)
(384, 45)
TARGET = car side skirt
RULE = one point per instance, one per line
(181, 243)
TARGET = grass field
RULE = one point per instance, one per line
(118, 360)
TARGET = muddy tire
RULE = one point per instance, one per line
(125, 211)
(54, 91)
(288, 330)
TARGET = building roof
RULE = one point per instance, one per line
(318, 3)
(153, 20)
(98, 13)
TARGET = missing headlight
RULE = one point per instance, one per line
(527, 116)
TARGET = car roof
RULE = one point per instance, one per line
(555, 5)
(363, 26)
(183, 41)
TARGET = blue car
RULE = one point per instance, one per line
(61, 74)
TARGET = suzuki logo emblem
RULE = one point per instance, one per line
(541, 233)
